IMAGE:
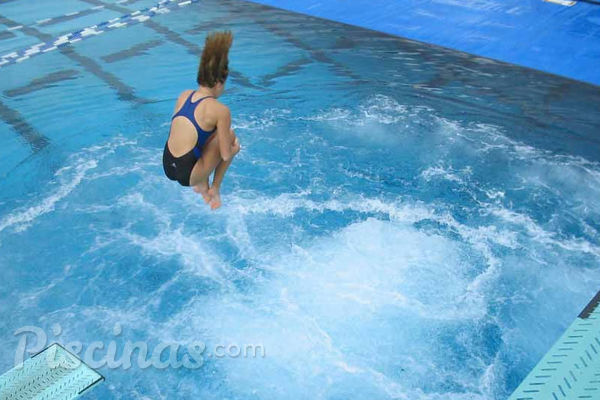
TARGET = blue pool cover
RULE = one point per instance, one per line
(532, 33)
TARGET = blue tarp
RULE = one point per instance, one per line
(531, 33)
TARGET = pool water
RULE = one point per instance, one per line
(403, 221)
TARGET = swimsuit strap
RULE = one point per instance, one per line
(193, 119)
(187, 111)
(185, 108)
(199, 100)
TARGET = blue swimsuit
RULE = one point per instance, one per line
(180, 168)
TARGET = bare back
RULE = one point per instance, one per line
(182, 135)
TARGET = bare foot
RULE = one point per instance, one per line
(202, 188)
(215, 198)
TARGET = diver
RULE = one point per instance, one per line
(201, 140)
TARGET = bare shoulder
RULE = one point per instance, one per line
(219, 108)
(183, 96)
(181, 99)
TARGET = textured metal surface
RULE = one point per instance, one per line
(571, 369)
(53, 374)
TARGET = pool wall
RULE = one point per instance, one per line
(534, 33)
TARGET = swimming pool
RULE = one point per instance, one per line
(404, 221)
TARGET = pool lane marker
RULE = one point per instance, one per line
(135, 17)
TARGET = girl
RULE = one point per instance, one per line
(200, 138)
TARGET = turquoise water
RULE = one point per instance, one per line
(403, 221)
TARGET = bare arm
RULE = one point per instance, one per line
(228, 143)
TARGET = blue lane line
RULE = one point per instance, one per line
(135, 17)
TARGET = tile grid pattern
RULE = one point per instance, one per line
(132, 18)
(14, 118)
(63, 44)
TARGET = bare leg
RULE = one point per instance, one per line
(202, 188)
(215, 188)
(211, 161)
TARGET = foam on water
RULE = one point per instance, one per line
(316, 313)
(395, 254)
(67, 179)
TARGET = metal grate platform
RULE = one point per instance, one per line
(53, 374)
(571, 369)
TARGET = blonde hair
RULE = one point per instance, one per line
(214, 64)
